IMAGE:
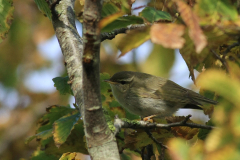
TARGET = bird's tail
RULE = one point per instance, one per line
(203, 100)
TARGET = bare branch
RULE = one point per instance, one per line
(121, 123)
(111, 35)
(154, 139)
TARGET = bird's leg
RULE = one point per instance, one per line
(148, 119)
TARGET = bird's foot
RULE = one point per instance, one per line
(149, 118)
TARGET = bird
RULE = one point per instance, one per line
(145, 95)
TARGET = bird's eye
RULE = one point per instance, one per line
(123, 82)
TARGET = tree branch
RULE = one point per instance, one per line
(83, 68)
(111, 35)
(63, 20)
(101, 141)
(122, 123)
(154, 139)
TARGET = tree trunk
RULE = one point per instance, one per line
(82, 65)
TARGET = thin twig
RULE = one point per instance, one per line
(186, 119)
(230, 47)
(221, 59)
(154, 139)
(120, 123)
(139, 7)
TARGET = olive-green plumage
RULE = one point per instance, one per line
(144, 94)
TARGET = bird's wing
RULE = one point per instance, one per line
(170, 92)
(183, 95)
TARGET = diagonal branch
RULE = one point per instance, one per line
(111, 35)
(230, 47)
(63, 20)
(154, 139)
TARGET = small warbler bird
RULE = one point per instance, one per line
(145, 95)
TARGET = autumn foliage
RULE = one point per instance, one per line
(206, 32)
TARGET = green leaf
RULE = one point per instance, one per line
(114, 6)
(104, 85)
(203, 133)
(122, 22)
(44, 132)
(159, 62)
(106, 92)
(133, 39)
(190, 55)
(109, 9)
(153, 15)
(40, 155)
(136, 139)
(112, 16)
(125, 156)
(62, 86)
(75, 142)
(114, 104)
(44, 8)
(103, 98)
(69, 156)
(6, 17)
(42, 135)
(53, 113)
(158, 150)
(63, 127)
(216, 10)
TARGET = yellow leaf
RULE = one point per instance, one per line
(133, 39)
(220, 83)
(214, 139)
(72, 156)
(178, 149)
(107, 20)
(228, 152)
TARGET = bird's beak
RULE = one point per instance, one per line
(108, 81)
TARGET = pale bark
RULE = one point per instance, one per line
(82, 65)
